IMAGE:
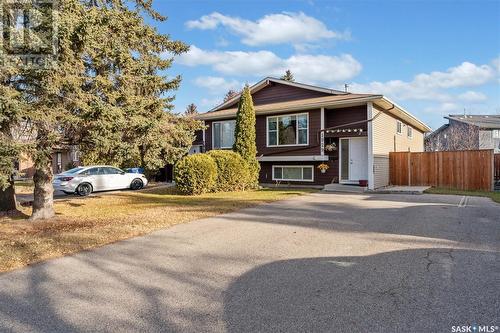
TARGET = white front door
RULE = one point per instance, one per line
(353, 159)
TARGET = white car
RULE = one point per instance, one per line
(85, 180)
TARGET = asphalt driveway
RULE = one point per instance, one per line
(324, 262)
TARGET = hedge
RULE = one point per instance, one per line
(233, 173)
(196, 174)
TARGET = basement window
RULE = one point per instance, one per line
(293, 173)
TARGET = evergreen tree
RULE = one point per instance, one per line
(13, 136)
(230, 94)
(106, 92)
(191, 110)
(288, 76)
(245, 136)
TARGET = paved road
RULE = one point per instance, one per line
(318, 263)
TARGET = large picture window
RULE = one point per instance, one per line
(223, 134)
(293, 172)
(288, 130)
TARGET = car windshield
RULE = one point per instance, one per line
(73, 171)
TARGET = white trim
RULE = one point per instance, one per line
(296, 130)
(322, 133)
(299, 158)
(312, 106)
(371, 162)
(204, 135)
(294, 166)
(213, 132)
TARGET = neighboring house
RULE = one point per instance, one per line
(63, 158)
(466, 132)
(300, 126)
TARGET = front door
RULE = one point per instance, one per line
(353, 159)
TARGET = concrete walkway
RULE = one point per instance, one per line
(319, 263)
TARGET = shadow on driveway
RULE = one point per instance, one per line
(426, 290)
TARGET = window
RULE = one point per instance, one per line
(289, 130)
(111, 171)
(399, 127)
(223, 134)
(293, 172)
(409, 132)
(93, 172)
(496, 134)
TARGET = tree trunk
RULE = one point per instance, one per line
(8, 198)
(43, 201)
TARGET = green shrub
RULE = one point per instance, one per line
(195, 174)
(233, 173)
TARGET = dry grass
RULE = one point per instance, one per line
(83, 223)
(495, 196)
(24, 186)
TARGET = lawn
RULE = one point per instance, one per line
(24, 186)
(83, 223)
(495, 196)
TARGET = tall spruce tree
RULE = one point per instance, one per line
(288, 76)
(245, 136)
(14, 130)
(106, 92)
(191, 110)
(230, 94)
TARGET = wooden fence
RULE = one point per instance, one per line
(462, 170)
(497, 167)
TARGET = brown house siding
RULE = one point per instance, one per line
(333, 117)
(275, 93)
(311, 149)
(336, 117)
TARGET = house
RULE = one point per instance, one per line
(300, 126)
(63, 158)
(466, 132)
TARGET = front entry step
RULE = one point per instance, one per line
(344, 188)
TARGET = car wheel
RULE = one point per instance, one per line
(136, 184)
(84, 189)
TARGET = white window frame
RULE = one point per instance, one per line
(495, 134)
(409, 132)
(294, 166)
(213, 132)
(400, 125)
(296, 134)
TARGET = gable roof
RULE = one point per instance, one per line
(482, 121)
(266, 81)
(331, 98)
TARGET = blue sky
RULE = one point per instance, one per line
(431, 57)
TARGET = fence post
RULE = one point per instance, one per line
(409, 168)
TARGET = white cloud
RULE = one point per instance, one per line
(306, 68)
(294, 28)
(217, 85)
(209, 103)
(443, 108)
(472, 96)
(432, 86)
